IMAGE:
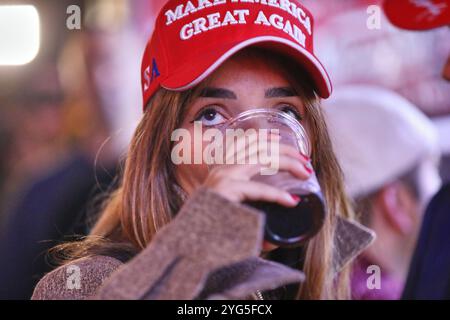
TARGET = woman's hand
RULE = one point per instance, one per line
(234, 181)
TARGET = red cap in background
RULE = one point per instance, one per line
(418, 14)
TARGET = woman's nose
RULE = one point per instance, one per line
(251, 124)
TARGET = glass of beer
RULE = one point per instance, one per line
(285, 227)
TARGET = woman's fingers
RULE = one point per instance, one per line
(295, 167)
(233, 180)
(242, 172)
(294, 153)
(254, 152)
(240, 191)
(284, 163)
(257, 191)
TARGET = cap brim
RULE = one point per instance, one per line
(406, 15)
(197, 70)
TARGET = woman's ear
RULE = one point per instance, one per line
(398, 207)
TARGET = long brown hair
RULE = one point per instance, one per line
(147, 199)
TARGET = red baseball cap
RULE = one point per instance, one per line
(193, 38)
(418, 14)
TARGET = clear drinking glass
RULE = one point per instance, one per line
(287, 227)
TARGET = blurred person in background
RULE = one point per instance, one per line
(389, 154)
(360, 46)
(443, 126)
(420, 16)
(50, 193)
(35, 122)
(56, 167)
(429, 275)
(6, 147)
(67, 131)
(429, 17)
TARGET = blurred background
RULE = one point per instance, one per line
(67, 115)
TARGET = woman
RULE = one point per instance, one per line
(182, 232)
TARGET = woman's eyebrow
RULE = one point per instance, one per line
(280, 92)
(210, 92)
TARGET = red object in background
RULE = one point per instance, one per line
(418, 14)
(410, 63)
(186, 47)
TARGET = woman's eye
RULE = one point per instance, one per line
(292, 111)
(210, 117)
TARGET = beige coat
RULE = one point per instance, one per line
(195, 256)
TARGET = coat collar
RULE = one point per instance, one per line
(350, 239)
(243, 279)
